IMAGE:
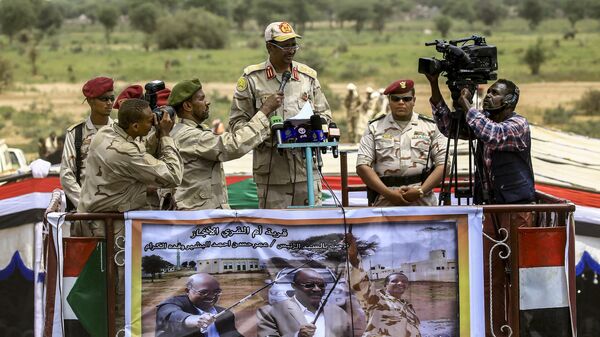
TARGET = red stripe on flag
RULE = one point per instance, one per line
(76, 253)
(541, 247)
(235, 179)
(30, 185)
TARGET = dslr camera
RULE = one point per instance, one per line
(466, 65)
(152, 88)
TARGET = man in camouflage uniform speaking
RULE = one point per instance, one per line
(397, 148)
(202, 151)
(280, 179)
(100, 97)
(388, 314)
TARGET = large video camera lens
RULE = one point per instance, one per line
(430, 66)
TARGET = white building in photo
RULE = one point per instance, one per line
(438, 268)
(227, 265)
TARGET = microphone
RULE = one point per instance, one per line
(289, 133)
(276, 127)
(325, 133)
(285, 77)
(316, 128)
(334, 135)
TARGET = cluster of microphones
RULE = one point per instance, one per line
(317, 130)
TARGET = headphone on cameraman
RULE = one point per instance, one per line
(512, 99)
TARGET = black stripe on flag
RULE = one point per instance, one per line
(24, 217)
(555, 322)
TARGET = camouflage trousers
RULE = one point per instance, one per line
(282, 196)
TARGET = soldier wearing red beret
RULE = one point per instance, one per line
(132, 91)
(401, 155)
(100, 97)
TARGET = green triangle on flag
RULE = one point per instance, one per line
(88, 295)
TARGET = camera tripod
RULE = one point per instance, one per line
(459, 130)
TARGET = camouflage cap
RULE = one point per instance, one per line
(183, 90)
(280, 31)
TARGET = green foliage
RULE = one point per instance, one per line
(586, 128)
(313, 59)
(144, 17)
(459, 9)
(357, 11)
(16, 15)
(557, 116)
(50, 17)
(382, 11)
(589, 104)
(217, 7)
(6, 73)
(490, 12)
(443, 24)
(195, 28)
(574, 10)
(276, 10)
(535, 56)
(108, 17)
(533, 11)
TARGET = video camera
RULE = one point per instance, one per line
(152, 88)
(465, 66)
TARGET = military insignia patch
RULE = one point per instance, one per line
(403, 85)
(242, 84)
(285, 27)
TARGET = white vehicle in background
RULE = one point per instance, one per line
(11, 160)
(282, 289)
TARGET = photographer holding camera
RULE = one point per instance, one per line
(203, 185)
(503, 157)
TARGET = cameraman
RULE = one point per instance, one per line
(203, 185)
(504, 174)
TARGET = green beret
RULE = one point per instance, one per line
(183, 90)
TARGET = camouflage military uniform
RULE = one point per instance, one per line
(352, 105)
(392, 150)
(285, 173)
(203, 185)
(366, 111)
(68, 166)
(386, 315)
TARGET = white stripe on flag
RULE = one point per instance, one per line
(542, 287)
(68, 283)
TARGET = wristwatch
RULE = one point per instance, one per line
(421, 193)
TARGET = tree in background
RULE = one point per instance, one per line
(490, 12)
(217, 7)
(357, 11)
(533, 11)
(144, 18)
(382, 11)
(16, 15)
(193, 28)
(535, 56)
(49, 18)
(108, 17)
(153, 264)
(276, 12)
(574, 11)
(443, 24)
(6, 75)
(239, 13)
(459, 9)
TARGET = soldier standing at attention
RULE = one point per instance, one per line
(352, 104)
(397, 148)
(280, 179)
(100, 97)
(202, 151)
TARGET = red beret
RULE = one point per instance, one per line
(162, 96)
(399, 87)
(97, 86)
(132, 91)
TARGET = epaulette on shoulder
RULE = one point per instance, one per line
(72, 127)
(426, 118)
(303, 68)
(377, 118)
(255, 67)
